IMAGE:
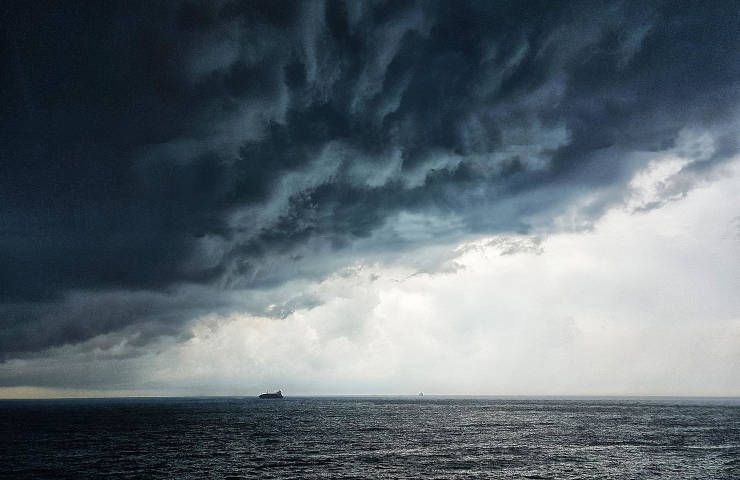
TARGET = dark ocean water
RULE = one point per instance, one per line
(370, 438)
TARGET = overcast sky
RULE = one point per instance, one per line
(366, 197)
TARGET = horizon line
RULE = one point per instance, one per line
(390, 395)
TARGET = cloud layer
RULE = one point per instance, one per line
(643, 304)
(160, 162)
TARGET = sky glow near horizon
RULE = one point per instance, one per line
(483, 198)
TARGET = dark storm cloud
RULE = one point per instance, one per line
(147, 146)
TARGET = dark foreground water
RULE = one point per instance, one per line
(370, 438)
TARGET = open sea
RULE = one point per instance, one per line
(377, 437)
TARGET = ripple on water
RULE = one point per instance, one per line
(361, 438)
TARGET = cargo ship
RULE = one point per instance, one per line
(277, 394)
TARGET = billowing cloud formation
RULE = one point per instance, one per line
(642, 304)
(158, 159)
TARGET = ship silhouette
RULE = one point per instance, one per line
(278, 394)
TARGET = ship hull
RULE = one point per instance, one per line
(271, 396)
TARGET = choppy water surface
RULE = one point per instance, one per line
(370, 437)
